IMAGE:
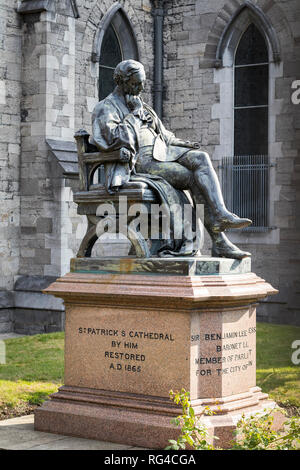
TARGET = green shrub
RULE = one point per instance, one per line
(253, 433)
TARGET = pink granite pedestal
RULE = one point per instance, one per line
(133, 336)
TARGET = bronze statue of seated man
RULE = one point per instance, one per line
(123, 120)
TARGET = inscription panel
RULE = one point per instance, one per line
(223, 353)
(129, 351)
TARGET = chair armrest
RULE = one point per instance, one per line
(82, 141)
(121, 155)
(89, 159)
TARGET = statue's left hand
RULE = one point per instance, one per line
(187, 143)
(193, 145)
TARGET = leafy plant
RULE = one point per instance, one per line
(193, 432)
(256, 433)
(253, 433)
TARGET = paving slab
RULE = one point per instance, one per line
(19, 434)
(4, 336)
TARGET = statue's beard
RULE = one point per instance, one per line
(131, 90)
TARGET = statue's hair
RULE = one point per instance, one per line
(125, 69)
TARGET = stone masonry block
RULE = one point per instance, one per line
(42, 256)
(44, 225)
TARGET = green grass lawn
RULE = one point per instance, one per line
(276, 374)
(34, 369)
(35, 365)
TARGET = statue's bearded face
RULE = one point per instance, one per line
(135, 84)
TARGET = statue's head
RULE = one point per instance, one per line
(130, 77)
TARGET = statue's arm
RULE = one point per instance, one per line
(171, 139)
(111, 132)
(185, 143)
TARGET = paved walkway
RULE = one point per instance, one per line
(19, 434)
(9, 336)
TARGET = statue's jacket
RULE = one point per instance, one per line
(114, 126)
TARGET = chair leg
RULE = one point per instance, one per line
(88, 242)
(139, 245)
(138, 242)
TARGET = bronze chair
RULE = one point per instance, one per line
(92, 194)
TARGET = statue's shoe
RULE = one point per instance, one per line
(228, 251)
(230, 221)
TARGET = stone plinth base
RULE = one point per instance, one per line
(138, 420)
(134, 332)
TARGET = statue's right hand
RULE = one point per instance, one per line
(125, 155)
(134, 103)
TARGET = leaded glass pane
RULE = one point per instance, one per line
(251, 85)
(251, 131)
(110, 51)
(252, 48)
(106, 82)
(111, 55)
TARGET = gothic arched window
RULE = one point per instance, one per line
(247, 59)
(251, 94)
(251, 128)
(111, 55)
(118, 43)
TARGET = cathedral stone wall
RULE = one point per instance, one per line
(49, 81)
(10, 141)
